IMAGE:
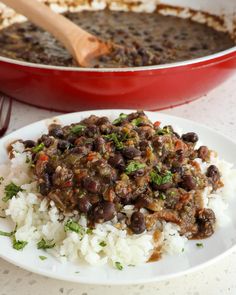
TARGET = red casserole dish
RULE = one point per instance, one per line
(150, 88)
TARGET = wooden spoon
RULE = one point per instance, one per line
(83, 46)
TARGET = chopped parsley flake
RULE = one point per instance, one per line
(10, 191)
(119, 120)
(164, 130)
(89, 231)
(6, 234)
(74, 226)
(113, 137)
(162, 196)
(45, 245)
(18, 245)
(118, 265)
(159, 179)
(77, 129)
(199, 245)
(38, 148)
(103, 244)
(1, 179)
(137, 122)
(182, 249)
(134, 166)
(42, 257)
(27, 160)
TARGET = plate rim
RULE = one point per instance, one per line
(83, 280)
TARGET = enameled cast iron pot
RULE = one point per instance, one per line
(149, 88)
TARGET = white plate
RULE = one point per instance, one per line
(217, 246)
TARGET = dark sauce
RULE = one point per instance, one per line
(148, 39)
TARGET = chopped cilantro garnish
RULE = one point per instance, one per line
(162, 196)
(45, 245)
(103, 244)
(199, 245)
(38, 148)
(137, 122)
(134, 166)
(27, 160)
(113, 136)
(182, 250)
(6, 234)
(74, 226)
(18, 245)
(164, 130)
(1, 179)
(77, 129)
(118, 265)
(11, 190)
(89, 231)
(42, 257)
(161, 179)
(77, 271)
(120, 119)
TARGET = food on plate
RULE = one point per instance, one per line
(147, 38)
(123, 191)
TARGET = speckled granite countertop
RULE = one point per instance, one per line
(216, 110)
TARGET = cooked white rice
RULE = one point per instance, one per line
(35, 221)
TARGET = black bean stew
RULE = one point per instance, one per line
(148, 39)
(96, 167)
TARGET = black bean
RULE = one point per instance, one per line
(131, 152)
(63, 145)
(91, 185)
(43, 188)
(213, 172)
(29, 143)
(188, 183)
(203, 153)
(99, 144)
(164, 186)
(56, 131)
(84, 205)
(137, 223)
(102, 121)
(46, 140)
(143, 145)
(117, 161)
(91, 130)
(49, 169)
(104, 211)
(205, 219)
(190, 137)
(72, 138)
(178, 169)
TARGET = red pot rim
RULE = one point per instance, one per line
(195, 61)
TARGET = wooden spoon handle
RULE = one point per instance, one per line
(59, 26)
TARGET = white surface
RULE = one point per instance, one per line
(193, 258)
(216, 110)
